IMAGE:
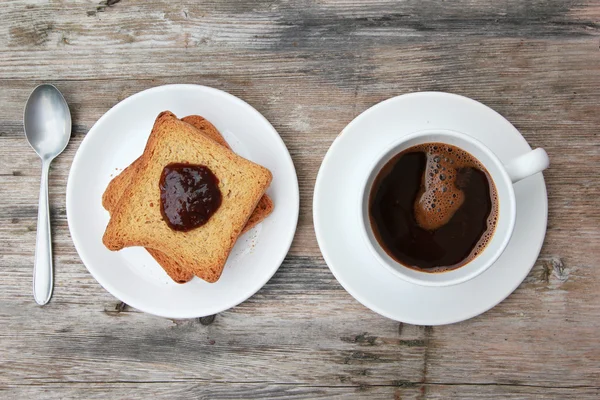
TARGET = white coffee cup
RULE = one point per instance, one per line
(503, 176)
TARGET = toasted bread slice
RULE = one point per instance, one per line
(119, 183)
(117, 186)
(180, 274)
(137, 220)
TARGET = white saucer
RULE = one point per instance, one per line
(131, 274)
(337, 198)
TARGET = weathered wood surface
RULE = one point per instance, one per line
(309, 67)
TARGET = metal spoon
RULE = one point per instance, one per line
(47, 122)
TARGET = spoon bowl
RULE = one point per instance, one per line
(47, 123)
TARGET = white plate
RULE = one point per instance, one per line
(132, 275)
(337, 199)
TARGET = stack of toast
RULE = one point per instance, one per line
(133, 199)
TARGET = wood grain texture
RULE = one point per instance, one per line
(310, 67)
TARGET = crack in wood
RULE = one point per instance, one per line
(359, 357)
(362, 339)
(428, 332)
(397, 383)
(102, 6)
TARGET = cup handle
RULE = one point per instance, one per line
(528, 164)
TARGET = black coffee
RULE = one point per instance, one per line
(433, 207)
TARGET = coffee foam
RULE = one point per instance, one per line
(440, 196)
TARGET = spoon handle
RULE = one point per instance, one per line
(42, 270)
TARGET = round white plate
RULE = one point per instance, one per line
(131, 274)
(337, 198)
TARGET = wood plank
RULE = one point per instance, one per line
(506, 392)
(309, 342)
(203, 390)
(234, 390)
(161, 38)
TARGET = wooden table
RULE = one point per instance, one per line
(310, 67)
